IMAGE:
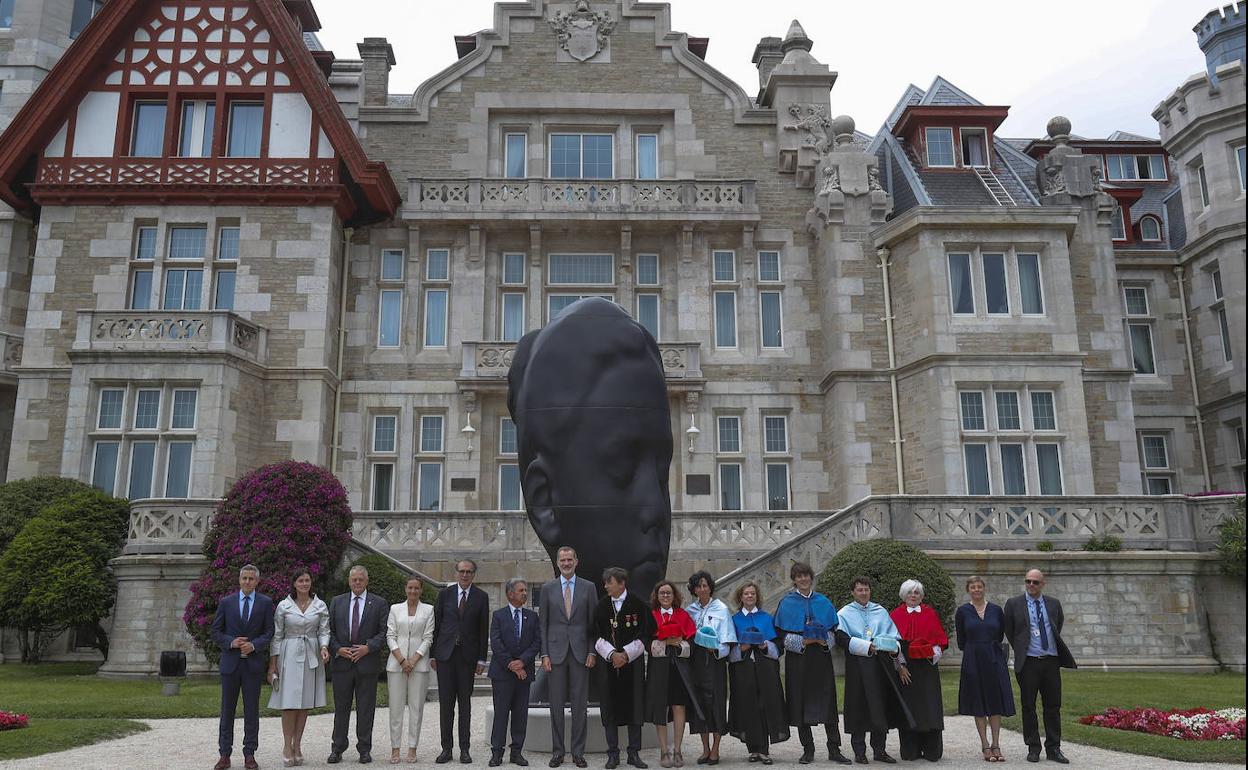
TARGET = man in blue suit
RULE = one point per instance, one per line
(242, 628)
(515, 640)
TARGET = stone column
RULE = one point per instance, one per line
(152, 592)
(378, 58)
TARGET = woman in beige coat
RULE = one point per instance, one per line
(409, 634)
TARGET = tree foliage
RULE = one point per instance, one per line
(283, 518)
(54, 573)
(384, 579)
(21, 500)
(888, 563)
(1231, 542)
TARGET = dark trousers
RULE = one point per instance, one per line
(455, 689)
(807, 736)
(928, 745)
(511, 699)
(858, 741)
(758, 748)
(612, 732)
(231, 684)
(1043, 676)
(351, 684)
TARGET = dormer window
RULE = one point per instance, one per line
(148, 138)
(939, 147)
(1150, 228)
(974, 147)
(1131, 167)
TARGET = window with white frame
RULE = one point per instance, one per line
(775, 472)
(431, 448)
(726, 319)
(777, 478)
(6, 13)
(510, 495)
(437, 297)
(184, 283)
(511, 325)
(143, 439)
(1241, 165)
(996, 288)
(195, 131)
(1155, 460)
(724, 266)
(507, 443)
(392, 261)
(1118, 223)
(383, 486)
(227, 243)
(557, 303)
(771, 319)
(961, 290)
(84, 12)
(142, 257)
(985, 283)
(582, 156)
(1130, 167)
(647, 156)
(939, 143)
(225, 268)
(244, 131)
(1011, 444)
(768, 267)
(438, 265)
(1150, 228)
(385, 433)
(389, 317)
(383, 451)
(728, 444)
(1219, 312)
(515, 152)
(648, 312)
(147, 139)
(581, 270)
(974, 147)
(647, 269)
(1140, 323)
(1202, 185)
(728, 434)
(775, 434)
(514, 272)
(1030, 283)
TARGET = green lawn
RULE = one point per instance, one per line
(1091, 692)
(47, 735)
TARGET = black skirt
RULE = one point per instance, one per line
(709, 675)
(923, 696)
(667, 685)
(756, 710)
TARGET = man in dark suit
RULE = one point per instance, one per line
(461, 631)
(357, 636)
(515, 640)
(567, 615)
(1033, 627)
(242, 628)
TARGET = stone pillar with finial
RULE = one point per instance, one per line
(798, 89)
(847, 176)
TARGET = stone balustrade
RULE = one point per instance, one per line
(206, 331)
(648, 199)
(485, 360)
(168, 526)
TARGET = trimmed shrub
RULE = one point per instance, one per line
(384, 579)
(1045, 546)
(55, 574)
(1104, 544)
(282, 518)
(1231, 542)
(21, 500)
(888, 563)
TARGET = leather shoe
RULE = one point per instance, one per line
(365, 757)
(518, 759)
(444, 757)
(882, 756)
(834, 755)
(1033, 755)
(860, 758)
(580, 762)
(634, 759)
(465, 757)
(222, 764)
(808, 756)
(556, 760)
(496, 758)
(334, 757)
(613, 761)
(1057, 756)
(249, 762)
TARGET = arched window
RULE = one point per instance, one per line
(1150, 228)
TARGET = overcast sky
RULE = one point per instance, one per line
(1103, 64)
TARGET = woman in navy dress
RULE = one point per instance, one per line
(984, 690)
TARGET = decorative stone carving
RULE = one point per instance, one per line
(831, 179)
(583, 32)
(1064, 170)
(245, 335)
(873, 179)
(812, 121)
(847, 171)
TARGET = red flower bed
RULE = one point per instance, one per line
(1186, 724)
(11, 720)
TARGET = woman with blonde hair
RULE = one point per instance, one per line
(409, 634)
(756, 710)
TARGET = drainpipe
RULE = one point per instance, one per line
(347, 232)
(883, 255)
(1191, 372)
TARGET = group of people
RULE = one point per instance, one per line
(659, 660)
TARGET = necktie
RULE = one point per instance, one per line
(1044, 634)
(567, 599)
(246, 607)
(355, 620)
(515, 616)
(463, 599)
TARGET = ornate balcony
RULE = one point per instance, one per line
(492, 360)
(169, 526)
(172, 331)
(621, 199)
(182, 171)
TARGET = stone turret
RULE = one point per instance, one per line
(798, 89)
(1221, 36)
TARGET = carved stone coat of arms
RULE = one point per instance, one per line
(583, 32)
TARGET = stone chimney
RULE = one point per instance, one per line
(378, 58)
(767, 54)
(1221, 36)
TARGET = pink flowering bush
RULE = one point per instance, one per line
(283, 517)
(1186, 724)
(11, 720)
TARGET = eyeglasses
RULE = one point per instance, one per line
(1034, 582)
(467, 571)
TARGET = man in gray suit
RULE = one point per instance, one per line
(357, 635)
(567, 617)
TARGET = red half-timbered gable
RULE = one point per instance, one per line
(193, 101)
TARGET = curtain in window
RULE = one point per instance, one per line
(149, 130)
(973, 149)
(388, 325)
(730, 487)
(142, 460)
(1029, 284)
(513, 317)
(770, 306)
(509, 495)
(960, 283)
(245, 127)
(976, 457)
(994, 284)
(104, 473)
(435, 318)
(1013, 471)
(515, 155)
(777, 487)
(1142, 349)
(647, 157)
(429, 497)
(383, 477)
(1048, 458)
(725, 319)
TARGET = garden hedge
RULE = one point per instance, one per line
(888, 563)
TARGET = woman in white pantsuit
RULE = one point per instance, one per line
(409, 633)
(298, 652)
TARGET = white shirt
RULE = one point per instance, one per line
(618, 601)
(914, 609)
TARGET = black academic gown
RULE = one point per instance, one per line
(873, 698)
(756, 713)
(624, 699)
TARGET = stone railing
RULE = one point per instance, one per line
(1172, 523)
(216, 331)
(273, 172)
(681, 360)
(168, 526)
(621, 196)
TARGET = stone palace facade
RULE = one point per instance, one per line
(221, 247)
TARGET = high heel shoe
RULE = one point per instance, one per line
(678, 759)
(665, 759)
(298, 758)
(287, 761)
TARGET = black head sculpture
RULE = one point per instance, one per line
(589, 400)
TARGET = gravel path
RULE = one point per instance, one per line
(191, 743)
